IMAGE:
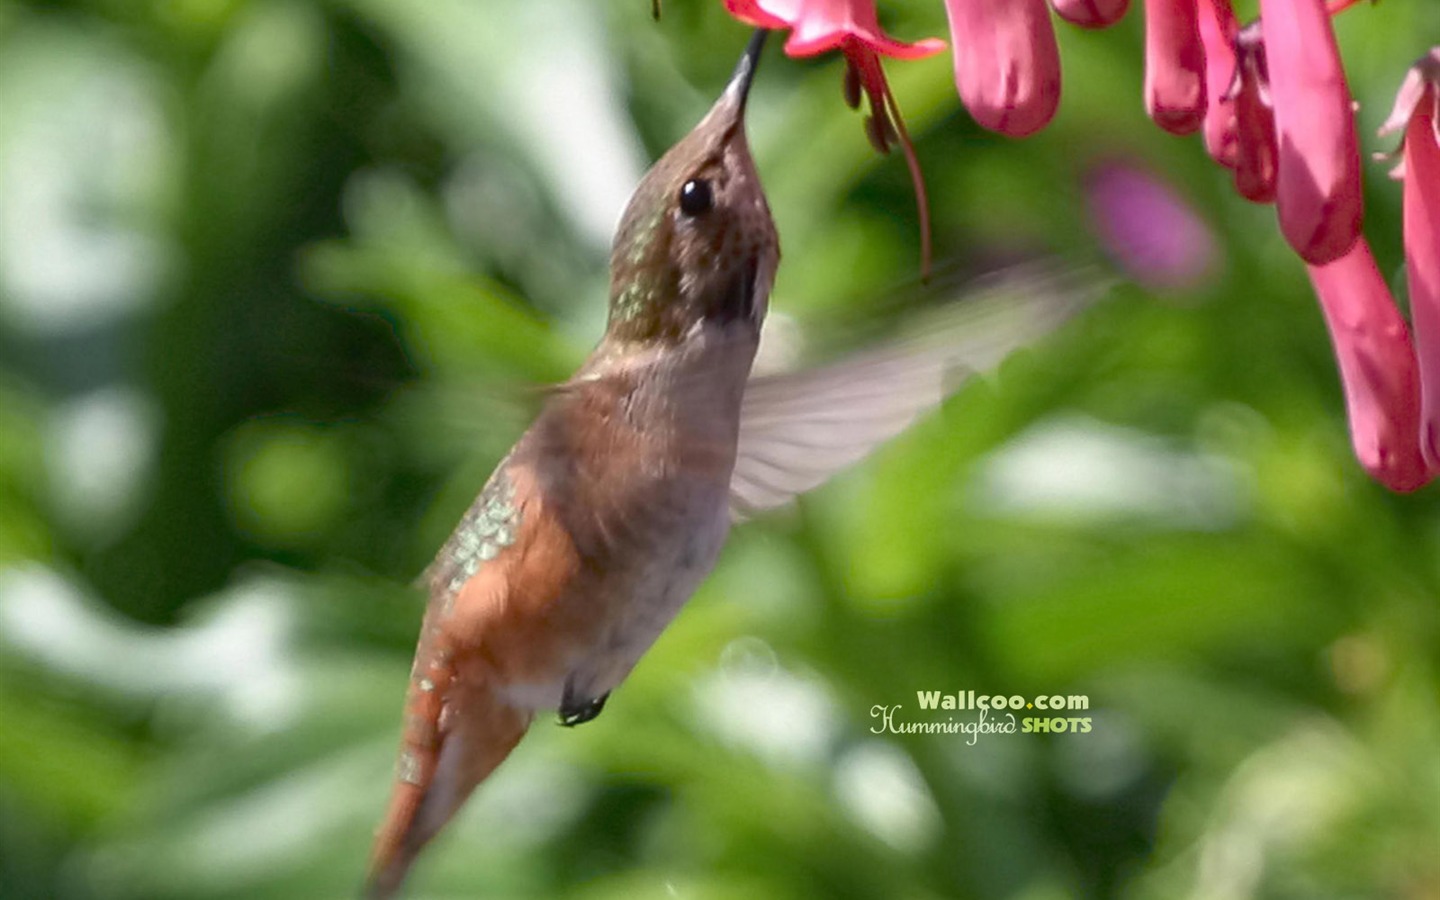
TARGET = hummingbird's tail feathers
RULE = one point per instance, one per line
(798, 429)
(420, 745)
(456, 734)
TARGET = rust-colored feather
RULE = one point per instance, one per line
(459, 722)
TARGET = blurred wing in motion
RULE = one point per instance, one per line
(797, 429)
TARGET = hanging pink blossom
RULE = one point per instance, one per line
(1377, 367)
(1318, 171)
(1007, 65)
(1174, 65)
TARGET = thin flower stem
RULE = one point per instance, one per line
(922, 202)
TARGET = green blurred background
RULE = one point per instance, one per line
(274, 276)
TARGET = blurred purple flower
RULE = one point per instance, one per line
(1146, 226)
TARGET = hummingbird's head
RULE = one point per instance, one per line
(696, 243)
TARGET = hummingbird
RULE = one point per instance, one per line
(608, 512)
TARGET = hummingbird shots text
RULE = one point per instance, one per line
(994, 715)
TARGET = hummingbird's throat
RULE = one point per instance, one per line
(666, 302)
(635, 311)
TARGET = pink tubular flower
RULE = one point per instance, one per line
(1417, 110)
(1007, 65)
(1091, 13)
(1318, 173)
(1174, 65)
(853, 28)
(1377, 367)
(1218, 29)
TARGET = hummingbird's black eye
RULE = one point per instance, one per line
(696, 198)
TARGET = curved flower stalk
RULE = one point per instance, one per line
(1417, 112)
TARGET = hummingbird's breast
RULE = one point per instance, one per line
(635, 457)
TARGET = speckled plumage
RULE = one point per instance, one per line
(489, 526)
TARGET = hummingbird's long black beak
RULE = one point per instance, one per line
(739, 86)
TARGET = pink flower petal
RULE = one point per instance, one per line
(1217, 35)
(1318, 173)
(1091, 13)
(1422, 262)
(1174, 65)
(823, 25)
(1007, 66)
(1377, 367)
(752, 13)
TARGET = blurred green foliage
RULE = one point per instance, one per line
(274, 278)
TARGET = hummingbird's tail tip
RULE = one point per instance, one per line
(384, 881)
(378, 885)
